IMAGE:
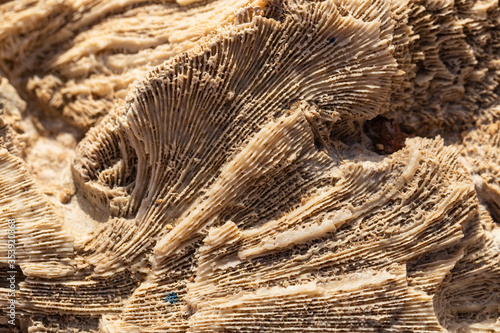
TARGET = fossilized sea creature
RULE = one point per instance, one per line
(248, 181)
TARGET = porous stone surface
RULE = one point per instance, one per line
(251, 166)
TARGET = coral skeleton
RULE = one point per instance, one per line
(250, 166)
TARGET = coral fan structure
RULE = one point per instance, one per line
(250, 166)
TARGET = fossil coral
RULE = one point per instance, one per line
(251, 166)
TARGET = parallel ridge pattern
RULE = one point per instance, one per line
(76, 58)
(43, 248)
(250, 77)
(366, 302)
(233, 203)
(482, 146)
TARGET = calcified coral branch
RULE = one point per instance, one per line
(256, 177)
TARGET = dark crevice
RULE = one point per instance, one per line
(386, 135)
(6, 273)
(274, 10)
(489, 198)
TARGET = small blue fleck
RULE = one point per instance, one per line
(172, 298)
(332, 40)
